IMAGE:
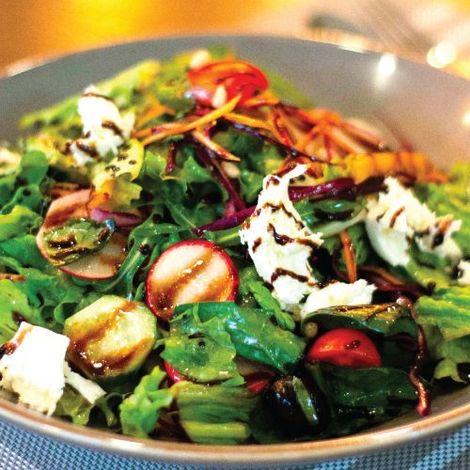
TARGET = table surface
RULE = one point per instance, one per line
(51, 27)
(48, 27)
(21, 450)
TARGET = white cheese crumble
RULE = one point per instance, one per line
(280, 245)
(104, 128)
(396, 217)
(87, 388)
(199, 58)
(37, 372)
(220, 97)
(275, 218)
(9, 161)
(339, 293)
(35, 369)
(463, 269)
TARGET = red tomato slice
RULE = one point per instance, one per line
(190, 271)
(257, 382)
(237, 77)
(345, 347)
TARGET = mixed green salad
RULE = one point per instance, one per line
(191, 250)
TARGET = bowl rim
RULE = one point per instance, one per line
(259, 454)
(196, 454)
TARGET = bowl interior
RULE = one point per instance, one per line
(427, 109)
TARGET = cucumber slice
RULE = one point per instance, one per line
(111, 337)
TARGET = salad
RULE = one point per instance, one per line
(191, 250)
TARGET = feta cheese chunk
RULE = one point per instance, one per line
(396, 217)
(338, 293)
(463, 269)
(104, 128)
(35, 368)
(87, 388)
(279, 243)
(199, 58)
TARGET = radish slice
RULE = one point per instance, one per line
(173, 375)
(122, 219)
(100, 265)
(188, 272)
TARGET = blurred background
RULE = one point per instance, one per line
(436, 31)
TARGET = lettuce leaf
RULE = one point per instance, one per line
(214, 414)
(448, 310)
(251, 283)
(20, 220)
(74, 407)
(139, 412)
(445, 317)
(253, 334)
(202, 351)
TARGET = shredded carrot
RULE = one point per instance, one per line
(154, 111)
(349, 257)
(248, 121)
(384, 273)
(280, 127)
(216, 148)
(175, 128)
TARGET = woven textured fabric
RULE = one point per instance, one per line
(22, 450)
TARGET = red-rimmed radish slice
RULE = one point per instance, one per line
(121, 219)
(173, 375)
(100, 265)
(72, 205)
(190, 271)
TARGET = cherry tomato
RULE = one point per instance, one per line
(345, 347)
(257, 381)
(173, 375)
(237, 77)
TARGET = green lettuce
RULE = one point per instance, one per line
(251, 283)
(214, 414)
(74, 407)
(253, 334)
(139, 412)
(445, 317)
(202, 351)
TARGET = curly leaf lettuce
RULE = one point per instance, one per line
(214, 414)
(202, 351)
(446, 319)
(139, 412)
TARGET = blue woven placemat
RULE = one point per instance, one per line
(21, 450)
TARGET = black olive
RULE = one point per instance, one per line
(464, 371)
(299, 407)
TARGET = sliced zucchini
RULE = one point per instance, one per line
(111, 337)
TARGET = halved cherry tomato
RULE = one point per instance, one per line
(237, 77)
(190, 271)
(345, 347)
(257, 382)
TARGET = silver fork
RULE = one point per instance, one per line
(391, 27)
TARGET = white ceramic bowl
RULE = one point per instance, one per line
(425, 107)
